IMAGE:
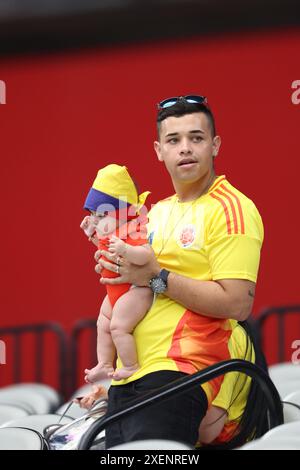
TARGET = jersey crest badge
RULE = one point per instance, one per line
(187, 236)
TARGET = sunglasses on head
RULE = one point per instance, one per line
(193, 99)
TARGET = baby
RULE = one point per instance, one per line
(114, 225)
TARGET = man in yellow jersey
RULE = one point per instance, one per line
(206, 240)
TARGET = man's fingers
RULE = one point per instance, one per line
(97, 255)
(107, 255)
(86, 402)
(107, 265)
(112, 280)
(110, 256)
(98, 268)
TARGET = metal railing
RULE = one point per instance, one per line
(20, 358)
(281, 313)
(185, 383)
(79, 329)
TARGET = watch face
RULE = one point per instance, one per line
(158, 285)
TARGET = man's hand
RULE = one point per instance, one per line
(129, 273)
(88, 400)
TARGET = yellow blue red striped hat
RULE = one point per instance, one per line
(112, 189)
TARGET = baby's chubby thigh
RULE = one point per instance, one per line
(131, 308)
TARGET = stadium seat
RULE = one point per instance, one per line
(291, 412)
(21, 439)
(286, 377)
(272, 444)
(155, 444)
(53, 397)
(7, 400)
(293, 397)
(39, 397)
(74, 411)
(9, 412)
(287, 386)
(284, 371)
(36, 422)
(285, 431)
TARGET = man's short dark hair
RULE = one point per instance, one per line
(181, 108)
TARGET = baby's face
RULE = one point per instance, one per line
(104, 224)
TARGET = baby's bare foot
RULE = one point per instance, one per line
(125, 372)
(99, 372)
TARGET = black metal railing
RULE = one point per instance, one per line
(74, 353)
(185, 383)
(281, 313)
(76, 350)
(39, 365)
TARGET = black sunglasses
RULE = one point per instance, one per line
(194, 99)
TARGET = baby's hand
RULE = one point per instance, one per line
(88, 226)
(117, 246)
(85, 223)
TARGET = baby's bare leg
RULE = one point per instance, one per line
(106, 350)
(127, 312)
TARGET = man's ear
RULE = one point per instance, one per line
(216, 145)
(157, 149)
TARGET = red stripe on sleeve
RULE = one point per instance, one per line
(232, 208)
(217, 183)
(225, 210)
(239, 207)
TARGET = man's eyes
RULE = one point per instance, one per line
(195, 138)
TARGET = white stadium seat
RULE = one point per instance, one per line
(285, 431)
(9, 412)
(21, 439)
(286, 377)
(52, 396)
(74, 411)
(7, 400)
(272, 444)
(155, 444)
(37, 422)
(34, 396)
(291, 412)
(293, 397)
(284, 371)
(287, 386)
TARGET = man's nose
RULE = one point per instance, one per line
(185, 147)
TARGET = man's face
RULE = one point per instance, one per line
(187, 147)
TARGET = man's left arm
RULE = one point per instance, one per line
(225, 298)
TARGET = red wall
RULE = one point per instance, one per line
(69, 114)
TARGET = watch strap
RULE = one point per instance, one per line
(164, 273)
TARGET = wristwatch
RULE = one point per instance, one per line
(159, 283)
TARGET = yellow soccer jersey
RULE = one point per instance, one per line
(235, 387)
(217, 236)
